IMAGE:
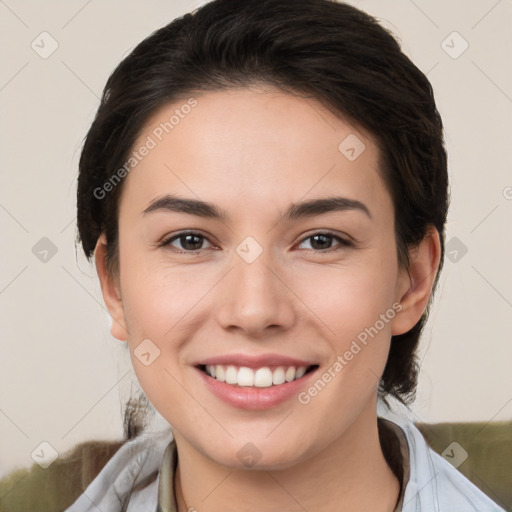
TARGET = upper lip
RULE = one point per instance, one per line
(254, 361)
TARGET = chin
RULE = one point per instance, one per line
(260, 454)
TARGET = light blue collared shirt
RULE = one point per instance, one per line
(431, 484)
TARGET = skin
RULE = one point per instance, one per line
(259, 150)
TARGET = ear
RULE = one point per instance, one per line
(415, 284)
(111, 291)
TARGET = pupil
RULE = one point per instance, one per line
(187, 243)
(322, 237)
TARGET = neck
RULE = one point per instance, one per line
(350, 474)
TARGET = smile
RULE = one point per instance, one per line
(255, 381)
(262, 377)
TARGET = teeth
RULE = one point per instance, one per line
(290, 374)
(300, 372)
(220, 373)
(231, 375)
(278, 376)
(245, 377)
(260, 378)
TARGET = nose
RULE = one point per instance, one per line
(256, 299)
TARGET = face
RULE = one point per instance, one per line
(289, 297)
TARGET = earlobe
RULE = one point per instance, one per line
(111, 291)
(416, 283)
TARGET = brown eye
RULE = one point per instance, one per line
(323, 241)
(188, 241)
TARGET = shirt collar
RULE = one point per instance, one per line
(406, 462)
(167, 498)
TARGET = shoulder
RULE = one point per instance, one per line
(434, 484)
(131, 475)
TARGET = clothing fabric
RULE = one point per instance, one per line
(430, 483)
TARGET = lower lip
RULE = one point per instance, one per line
(254, 398)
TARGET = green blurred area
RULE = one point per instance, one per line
(489, 454)
(488, 465)
(54, 489)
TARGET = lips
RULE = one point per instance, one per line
(255, 382)
(255, 361)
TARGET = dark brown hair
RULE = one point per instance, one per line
(321, 49)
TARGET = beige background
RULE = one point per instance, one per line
(63, 376)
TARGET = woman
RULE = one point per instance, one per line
(264, 191)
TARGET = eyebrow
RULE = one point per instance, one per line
(296, 211)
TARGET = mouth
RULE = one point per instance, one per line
(262, 377)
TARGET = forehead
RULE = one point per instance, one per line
(253, 147)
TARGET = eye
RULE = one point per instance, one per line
(190, 241)
(322, 241)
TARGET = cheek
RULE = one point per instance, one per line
(355, 307)
(157, 308)
(157, 297)
(348, 300)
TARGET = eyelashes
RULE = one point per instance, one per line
(181, 237)
(343, 242)
(194, 238)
